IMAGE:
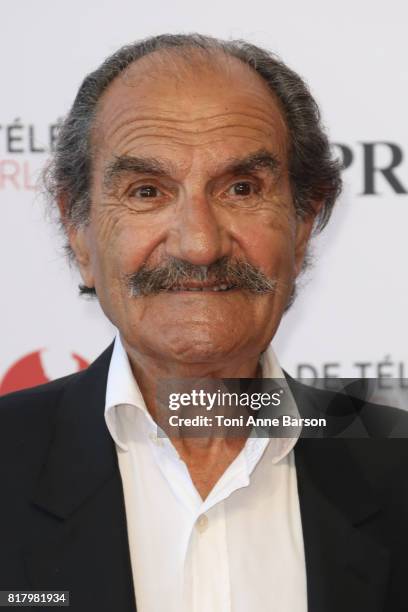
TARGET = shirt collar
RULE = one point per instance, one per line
(123, 390)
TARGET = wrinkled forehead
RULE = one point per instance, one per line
(190, 94)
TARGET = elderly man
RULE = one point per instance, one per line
(189, 176)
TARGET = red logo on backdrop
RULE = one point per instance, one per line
(29, 372)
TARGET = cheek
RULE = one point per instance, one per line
(271, 245)
(123, 244)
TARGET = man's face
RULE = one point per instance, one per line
(191, 164)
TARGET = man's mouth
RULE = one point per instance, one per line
(207, 287)
(179, 276)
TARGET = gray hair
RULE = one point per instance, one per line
(314, 173)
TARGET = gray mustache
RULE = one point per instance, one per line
(235, 273)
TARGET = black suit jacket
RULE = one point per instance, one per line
(62, 515)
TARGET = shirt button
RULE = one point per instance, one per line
(202, 523)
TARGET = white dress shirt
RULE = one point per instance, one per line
(239, 550)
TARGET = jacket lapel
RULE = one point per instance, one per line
(79, 537)
(346, 565)
(346, 568)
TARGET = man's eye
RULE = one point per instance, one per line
(242, 189)
(146, 192)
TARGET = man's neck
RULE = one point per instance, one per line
(207, 458)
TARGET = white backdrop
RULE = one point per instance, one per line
(352, 308)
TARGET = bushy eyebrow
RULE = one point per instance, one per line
(129, 164)
(252, 162)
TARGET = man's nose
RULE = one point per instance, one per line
(197, 234)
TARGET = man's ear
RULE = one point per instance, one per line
(304, 228)
(79, 241)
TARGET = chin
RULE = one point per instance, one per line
(198, 349)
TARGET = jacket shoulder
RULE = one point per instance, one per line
(30, 418)
(27, 425)
(34, 400)
(37, 402)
